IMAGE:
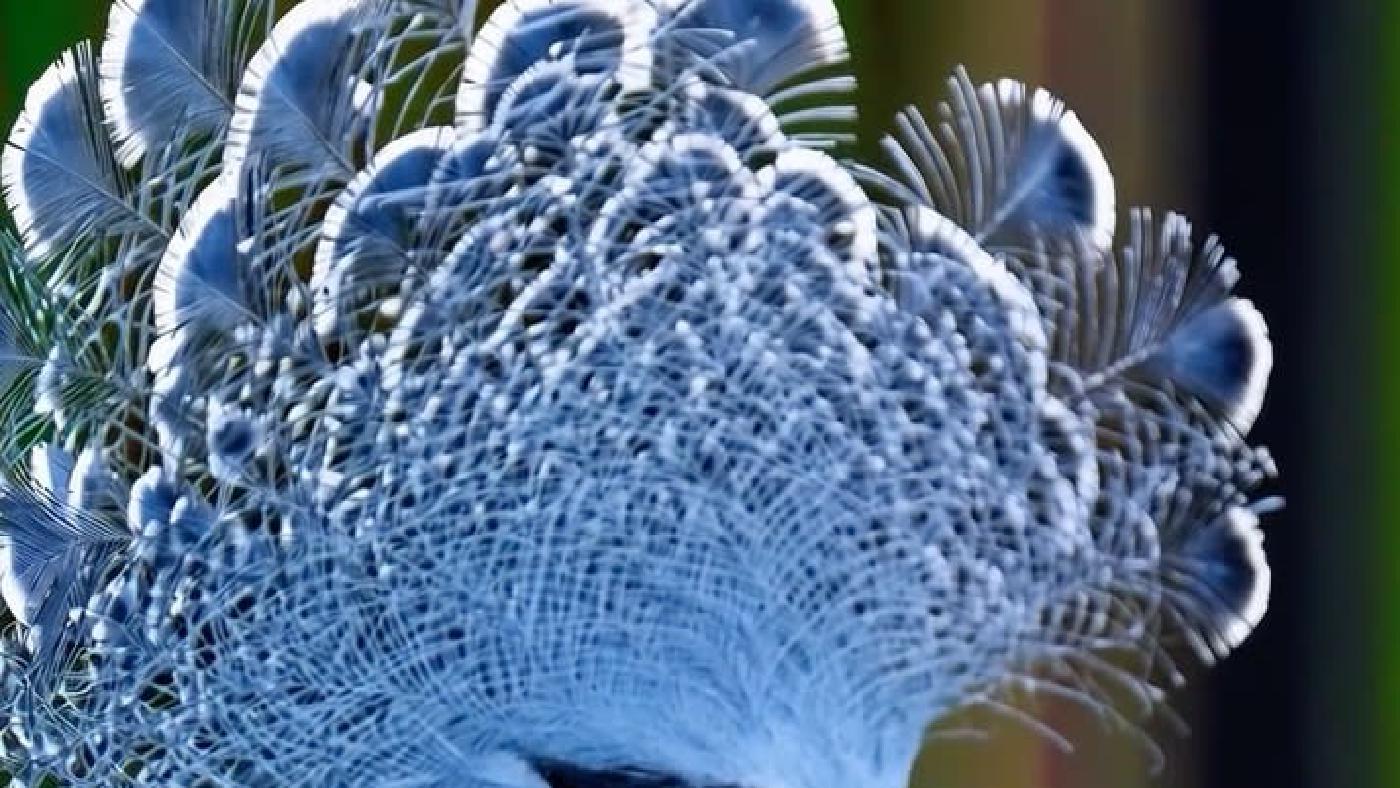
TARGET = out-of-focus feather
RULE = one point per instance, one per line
(61, 180)
(1222, 579)
(232, 437)
(1004, 162)
(1222, 355)
(171, 65)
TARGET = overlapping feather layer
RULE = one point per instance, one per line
(390, 402)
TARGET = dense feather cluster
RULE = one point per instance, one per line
(389, 402)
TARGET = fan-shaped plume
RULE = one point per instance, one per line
(1222, 355)
(303, 100)
(197, 287)
(173, 63)
(1224, 562)
(596, 34)
(546, 406)
(60, 178)
(50, 548)
(1002, 160)
(368, 235)
(760, 49)
(1158, 311)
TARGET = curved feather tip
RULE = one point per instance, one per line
(1229, 579)
(601, 36)
(1224, 356)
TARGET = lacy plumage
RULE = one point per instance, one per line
(392, 403)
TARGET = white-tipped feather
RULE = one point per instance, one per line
(1159, 310)
(197, 286)
(768, 43)
(842, 205)
(368, 230)
(172, 64)
(1222, 355)
(931, 233)
(1225, 579)
(303, 101)
(744, 120)
(47, 546)
(1059, 178)
(1006, 163)
(601, 35)
(59, 176)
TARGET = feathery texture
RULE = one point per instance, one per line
(390, 403)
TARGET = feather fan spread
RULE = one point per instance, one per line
(392, 402)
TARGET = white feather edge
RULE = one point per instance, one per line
(60, 76)
(865, 237)
(637, 21)
(828, 43)
(653, 156)
(1022, 315)
(1045, 108)
(1243, 524)
(121, 26)
(170, 333)
(131, 145)
(248, 104)
(50, 468)
(831, 46)
(757, 116)
(325, 274)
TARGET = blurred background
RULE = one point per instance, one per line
(1277, 126)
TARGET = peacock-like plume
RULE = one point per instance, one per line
(392, 402)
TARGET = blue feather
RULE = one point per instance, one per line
(303, 101)
(367, 235)
(1224, 578)
(1005, 162)
(171, 65)
(600, 36)
(48, 548)
(1222, 355)
(198, 287)
(61, 180)
(767, 43)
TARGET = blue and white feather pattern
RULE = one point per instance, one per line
(544, 405)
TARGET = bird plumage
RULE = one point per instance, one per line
(544, 405)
